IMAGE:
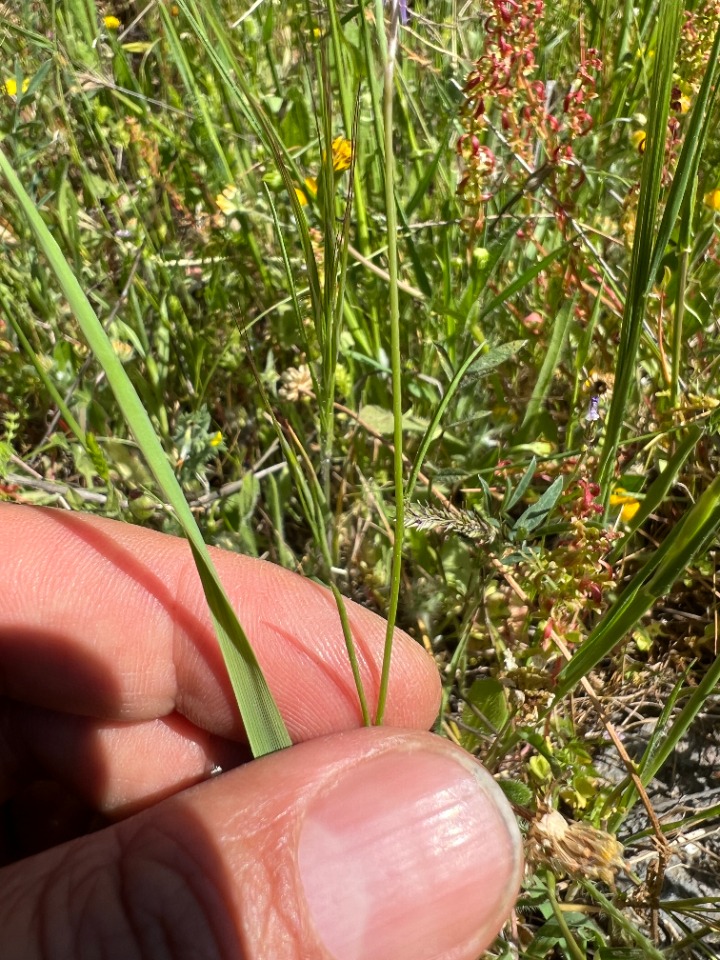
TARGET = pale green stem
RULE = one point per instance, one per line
(573, 947)
(395, 360)
(685, 244)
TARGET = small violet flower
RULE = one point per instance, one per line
(403, 9)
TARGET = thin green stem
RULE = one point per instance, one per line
(574, 948)
(352, 654)
(395, 359)
(685, 245)
(346, 106)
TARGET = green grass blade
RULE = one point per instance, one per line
(685, 244)
(199, 101)
(352, 655)
(231, 72)
(264, 726)
(395, 357)
(689, 159)
(670, 17)
(344, 77)
(83, 15)
(558, 339)
(294, 296)
(429, 172)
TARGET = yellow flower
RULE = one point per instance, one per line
(216, 440)
(342, 151)
(11, 88)
(228, 200)
(712, 199)
(639, 140)
(111, 23)
(628, 501)
(123, 351)
(310, 188)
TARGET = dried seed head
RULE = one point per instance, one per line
(296, 383)
(575, 849)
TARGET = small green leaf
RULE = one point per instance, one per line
(538, 512)
(540, 768)
(489, 361)
(381, 420)
(516, 494)
(485, 709)
(516, 792)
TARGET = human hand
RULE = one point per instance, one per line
(356, 844)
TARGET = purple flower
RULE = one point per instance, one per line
(402, 4)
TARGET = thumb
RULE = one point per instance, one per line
(366, 845)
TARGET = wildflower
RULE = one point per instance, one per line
(680, 102)
(402, 4)
(639, 140)
(593, 410)
(296, 384)
(123, 351)
(11, 88)
(228, 201)
(111, 23)
(712, 199)
(216, 439)
(628, 501)
(341, 154)
(505, 81)
(310, 188)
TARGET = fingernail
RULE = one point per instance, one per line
(413, 854)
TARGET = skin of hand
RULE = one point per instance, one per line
(354, 844)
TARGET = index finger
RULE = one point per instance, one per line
(105, 619)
